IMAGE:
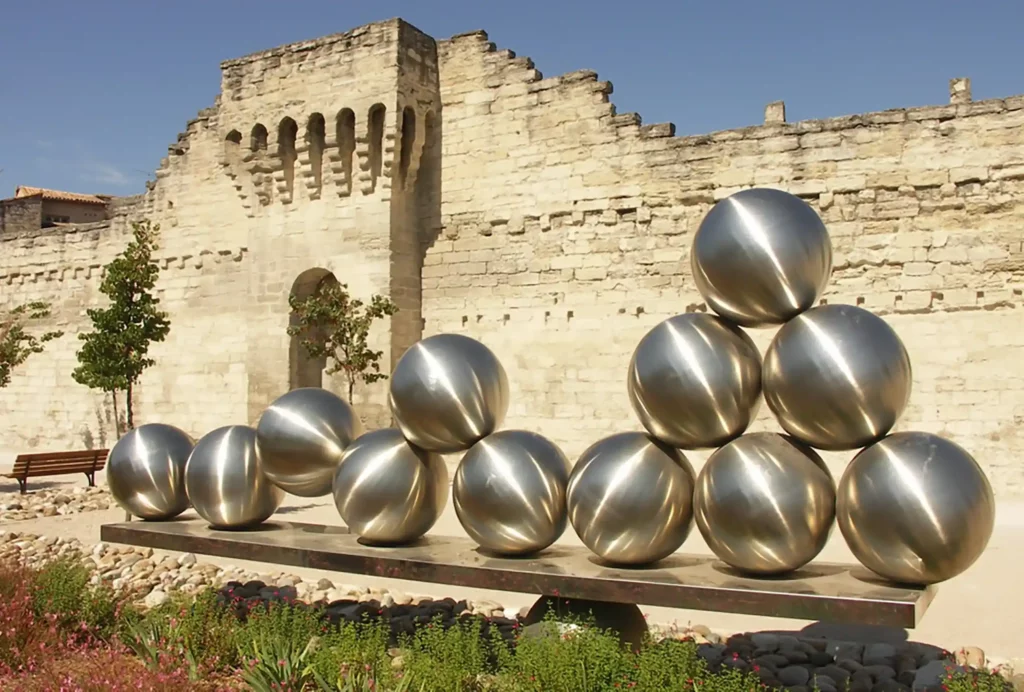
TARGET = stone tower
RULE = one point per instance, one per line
(332, 147)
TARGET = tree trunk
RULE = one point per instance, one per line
(128, 407)
(351, 388)
(117, 418)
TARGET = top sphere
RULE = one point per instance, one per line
(761, 257)
(448, 391)
(300, 439)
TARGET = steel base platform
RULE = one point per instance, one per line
(824, 592)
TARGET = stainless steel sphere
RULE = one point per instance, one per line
(765, 503)
(915, 508)
(761, 257)
(225, 481)
(387, 490)
(447, 392)
(509, 492)
(300, 439)
(837, 377)
(630, 498)
(146, 471)
(695, 381)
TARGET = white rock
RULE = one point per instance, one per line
(187, 559)
(155, 599)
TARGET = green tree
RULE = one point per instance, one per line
(335, 325)
(16, 342)
(116, 353)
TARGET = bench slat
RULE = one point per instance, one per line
(62, 456)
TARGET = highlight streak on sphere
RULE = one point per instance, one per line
(765, 504)
(387, 490)
(509, 492)
(695, 381)
(630, 498)
(225, 481)
(300, 439)
(761, 257)
(146, 471)
(916, 508)
(837, 377)
(447, 392)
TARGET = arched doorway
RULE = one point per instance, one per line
(304, 370)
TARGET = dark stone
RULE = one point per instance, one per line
(859, 686)
(905, 663)
(788, 642)
(835, 673)
(906, 678)
(862, 677)
(711, 653)
(849, 664)
(888, 685)
(816, 644)
(797, 656)
(773, 661)
(843, 651)
(880, 672)
(737, 663)
(798, 688)
(824, 684)
(765, 641)
(820, 658)
(794, 675)
(766, 676)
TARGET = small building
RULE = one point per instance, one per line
(32, 208)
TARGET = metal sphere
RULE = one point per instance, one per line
(146, 471)
(509, 492)
(765, 503)
(225, 481)
(837, 377)
(630, 498)
(447, 392)
(761, 257)
(695, 381)
(389, 491)
(915, 508)
(300, 439)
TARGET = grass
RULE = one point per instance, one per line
(60, 633)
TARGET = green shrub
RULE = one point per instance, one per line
(61, 589)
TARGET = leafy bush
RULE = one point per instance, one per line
(61, 588)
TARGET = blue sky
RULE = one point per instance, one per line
(93, 91)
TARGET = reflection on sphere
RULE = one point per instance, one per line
(630, 498)
(301, 437)
(695, 381)
(837, 377)
(146, 471)
(761, 257)
(447, 392)
(916, 508)
(389, 491)
(765, 503)
(225, 483)
(509, 492)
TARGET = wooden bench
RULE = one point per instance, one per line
(87, 461)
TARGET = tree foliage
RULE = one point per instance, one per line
(335, 325)
(17, 343)
(116, 352)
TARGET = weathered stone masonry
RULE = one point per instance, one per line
(524, 211)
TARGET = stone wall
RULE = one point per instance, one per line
(567, 230)
(20, 215)
(525, 212)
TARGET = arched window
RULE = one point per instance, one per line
(376, 137)
(346, 136)
(287, 131)
(304, 370)
(316, 140)
(408, 142)
(258, 138)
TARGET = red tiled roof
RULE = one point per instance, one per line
(57, 195)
